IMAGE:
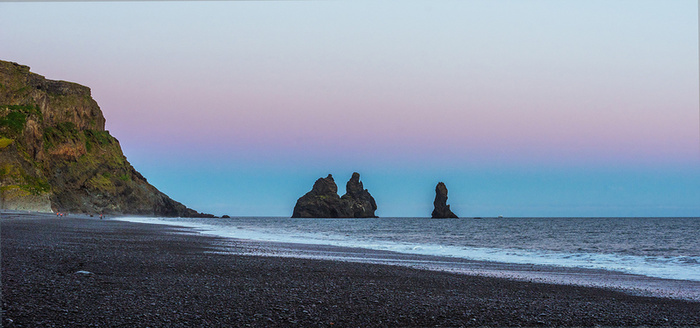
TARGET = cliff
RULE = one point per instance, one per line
(442, 210)
(55, 154)
(323, 200)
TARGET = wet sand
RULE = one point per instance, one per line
(619, 281)
(80, 272)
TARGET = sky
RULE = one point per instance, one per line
(523, 108)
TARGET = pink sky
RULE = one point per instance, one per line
(340, 85)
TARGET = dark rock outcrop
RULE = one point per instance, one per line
(323, 200)
(56, 155)
(358, 199)
(442, 210)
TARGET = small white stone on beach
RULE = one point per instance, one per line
(83, 272)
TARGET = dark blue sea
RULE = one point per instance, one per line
(659, 248)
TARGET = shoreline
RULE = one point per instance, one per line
(631, 283)
(156, 275)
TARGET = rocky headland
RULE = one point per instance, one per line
(55, 154)
(442, 210)
(323, 200)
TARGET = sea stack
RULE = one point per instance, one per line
(358, 199)
(323, 200)
(442, 210)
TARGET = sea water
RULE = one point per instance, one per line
(666, 248)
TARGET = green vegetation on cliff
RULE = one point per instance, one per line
(4, 142)
(55, 153)
(14, 117)
(13, 123)
(61, 133)
(17, 177)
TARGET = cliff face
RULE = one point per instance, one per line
(323, 200)
(442, 210)
(56, 155)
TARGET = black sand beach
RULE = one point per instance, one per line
(82, 272)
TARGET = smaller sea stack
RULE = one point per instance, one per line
(442, 210)
(358, 199)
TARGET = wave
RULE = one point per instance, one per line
(672, 267)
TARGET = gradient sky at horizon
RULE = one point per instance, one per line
(523, 108)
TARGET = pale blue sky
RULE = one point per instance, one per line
(523, 108)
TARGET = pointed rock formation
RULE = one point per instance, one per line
(323, 200)
(442, 210)
(358, 199)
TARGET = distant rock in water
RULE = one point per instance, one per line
(442, 210)
(358, 199)
(55, 154)
(323, 200)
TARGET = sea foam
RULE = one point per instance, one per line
(665, 267)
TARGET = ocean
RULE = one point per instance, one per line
(661, 254)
